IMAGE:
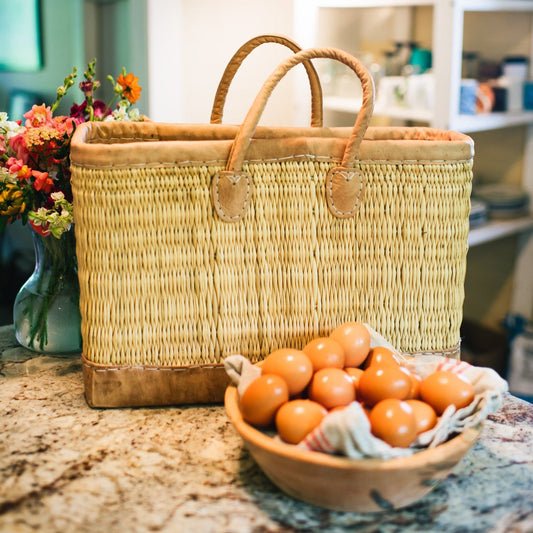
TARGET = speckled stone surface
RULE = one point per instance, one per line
(66, 467)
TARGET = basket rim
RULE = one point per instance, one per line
(118, 144)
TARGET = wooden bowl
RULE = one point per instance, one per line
(344, 484)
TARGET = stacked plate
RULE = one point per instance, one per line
(502, 201)
(478, 213)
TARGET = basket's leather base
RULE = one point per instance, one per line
(150, 386)
(143, 386)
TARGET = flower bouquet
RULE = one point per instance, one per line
(35, 188)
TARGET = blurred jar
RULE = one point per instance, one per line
(515, 67)
(420, 60)
(470, 65)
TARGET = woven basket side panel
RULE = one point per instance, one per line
(164, 281)
(145, 265)
(412, 249)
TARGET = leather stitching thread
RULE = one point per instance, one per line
(274, 160)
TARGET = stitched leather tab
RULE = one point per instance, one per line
(344, 190)
(230, 194)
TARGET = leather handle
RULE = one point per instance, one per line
(231, 189)
(242, 53)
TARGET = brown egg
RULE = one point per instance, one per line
(297, 418)
(381, 356)
(355, 374)
(425, 415)
(292, 365)
(262, 398)
(338, 408)
(354, 337)
(331, 387)
(324, 352)
(444, 388)
(393, 421)
(415, 383)
(379, 382)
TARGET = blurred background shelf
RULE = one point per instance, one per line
(497, 229)
(458, 122)
(499, 277)
(352, 105)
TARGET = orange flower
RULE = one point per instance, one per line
(24, 173)
(130, 85)
(42, 181)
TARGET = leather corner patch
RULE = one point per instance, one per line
(344, 190)
(230, 194)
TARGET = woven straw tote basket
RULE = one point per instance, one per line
(195, 242)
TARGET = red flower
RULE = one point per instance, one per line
(80, 114)
(88, 87)
(77, 112)
(41, 230)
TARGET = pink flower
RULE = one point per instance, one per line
(100, 109)
(17, 143)
(40, 115)
(14, 165)
(64, 124)
(17, 167)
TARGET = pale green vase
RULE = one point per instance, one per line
(46, 312)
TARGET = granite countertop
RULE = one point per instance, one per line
(66, 467)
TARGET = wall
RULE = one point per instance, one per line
(115, 34)
(189, 45)
(74, 31)
(62, 23)
(112, 31)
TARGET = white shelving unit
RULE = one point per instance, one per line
(499, 229)
(463, 123)
(447, 48)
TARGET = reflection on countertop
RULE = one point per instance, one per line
(66, 467)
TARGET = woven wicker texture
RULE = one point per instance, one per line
(172, 275)
(164, 281)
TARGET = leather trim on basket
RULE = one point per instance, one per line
(144, 386)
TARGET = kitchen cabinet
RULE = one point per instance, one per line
(500, 27)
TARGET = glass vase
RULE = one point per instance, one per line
(46, 312)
